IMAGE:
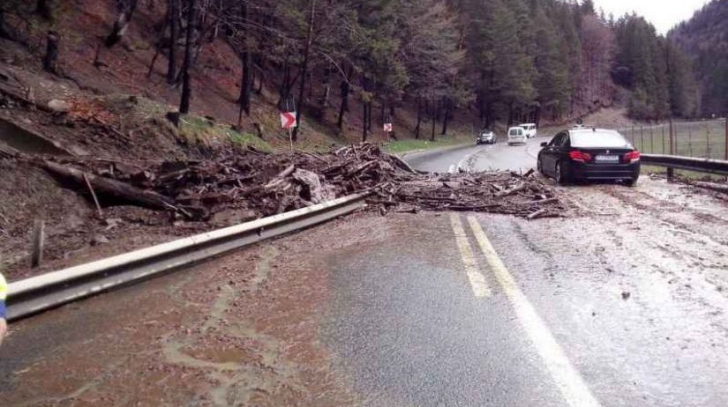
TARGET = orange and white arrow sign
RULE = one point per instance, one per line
(288, 120)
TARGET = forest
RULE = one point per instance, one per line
(705, 39)
(500, 60)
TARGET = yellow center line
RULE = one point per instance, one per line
(477, 279)
(567, 378)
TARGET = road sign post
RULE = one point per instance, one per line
(671, 171)
(388, 129)
(288, 122)
(726, 139)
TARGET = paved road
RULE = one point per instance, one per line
(413, 327)
(500, 156)
(623, 304)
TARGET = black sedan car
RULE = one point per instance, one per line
(584, 154)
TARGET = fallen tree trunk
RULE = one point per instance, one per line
(536, 214)
(114, 191)
(402, 164)
(518, 188)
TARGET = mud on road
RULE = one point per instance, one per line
(238, 331)
(633, 287)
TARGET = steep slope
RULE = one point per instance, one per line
(705, 38)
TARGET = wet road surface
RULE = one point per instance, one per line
(498, 156)
(623, 304)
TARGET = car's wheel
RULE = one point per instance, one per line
(539, 166)
(630, 182)
(561, 176)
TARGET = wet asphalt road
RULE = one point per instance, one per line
(592, 322)
(622, 305)
(407, 327)
(411, 332)
(499, 156)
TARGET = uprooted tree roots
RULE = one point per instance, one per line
(273, 183)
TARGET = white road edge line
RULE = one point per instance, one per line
(567, 378)
(476, 278)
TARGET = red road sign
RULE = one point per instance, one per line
(288, 120)
(388, 127)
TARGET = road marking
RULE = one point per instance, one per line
(477, 279)
(570, 383)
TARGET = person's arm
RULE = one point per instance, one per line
(3, 314)
(3, 329)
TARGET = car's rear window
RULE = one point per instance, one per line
(598, 139)
(516, 132)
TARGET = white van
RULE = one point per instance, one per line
(516, 135)
(530, 128)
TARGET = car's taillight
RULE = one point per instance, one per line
(580, 156)
(632, 157)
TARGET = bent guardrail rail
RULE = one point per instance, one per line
(36, 294)
(705, 165)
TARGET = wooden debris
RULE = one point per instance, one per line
(518, 188)
(93, 194)
(272, 183)
(109, 187)
(536, 214)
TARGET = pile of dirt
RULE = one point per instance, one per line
(29, 193)
(262, 184)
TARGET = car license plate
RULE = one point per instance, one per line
(607, 158)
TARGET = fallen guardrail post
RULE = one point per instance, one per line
(35, 294)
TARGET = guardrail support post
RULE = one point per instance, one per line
(36, 258)
(671, 171)
(726, 139)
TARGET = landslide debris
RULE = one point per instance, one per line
(268, 184)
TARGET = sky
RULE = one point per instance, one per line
(663, 14)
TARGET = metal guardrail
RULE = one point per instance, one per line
(36, 294)
(704, 165)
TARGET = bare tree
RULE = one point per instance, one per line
(304, 65)
(173, 15)
(43, 9)
(126, 11)
(50, 60)
(246, 57)
(345, 91)
(184, 106)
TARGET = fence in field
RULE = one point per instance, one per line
(702, 139)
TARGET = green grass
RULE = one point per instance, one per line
(696, 139)
(201, 130)
(408, 145)
(247, 139)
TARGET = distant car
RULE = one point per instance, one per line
(589, 154)
(517, 135)
(530, 128)
(487, 137)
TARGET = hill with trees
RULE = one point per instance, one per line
(705, 39)
(496, 61)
